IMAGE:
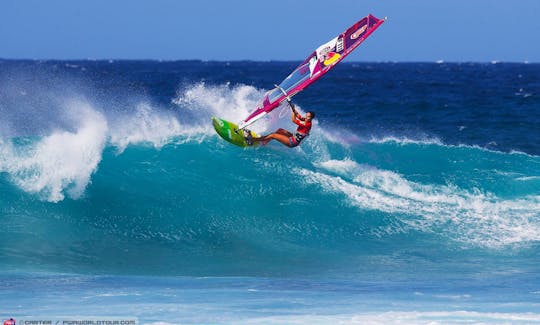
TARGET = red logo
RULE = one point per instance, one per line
(10, 321)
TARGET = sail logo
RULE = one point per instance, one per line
(331, 58)
(359, 32)
(339, 44)
(325, 50)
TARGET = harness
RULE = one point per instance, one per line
(299, 136)
(296, 138)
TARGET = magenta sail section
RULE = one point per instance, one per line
(324, 58)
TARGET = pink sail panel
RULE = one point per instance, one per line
(324, 58)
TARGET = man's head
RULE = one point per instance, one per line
(310, 115)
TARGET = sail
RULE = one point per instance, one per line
(324, 58)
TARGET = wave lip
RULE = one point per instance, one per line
(60, 162)
(145, 126)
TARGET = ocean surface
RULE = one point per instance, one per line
(416, 199)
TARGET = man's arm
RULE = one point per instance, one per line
(295, 115)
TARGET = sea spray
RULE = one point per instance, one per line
(61, 162)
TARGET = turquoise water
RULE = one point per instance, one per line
(415, 199)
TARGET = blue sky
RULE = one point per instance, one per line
(416, 30)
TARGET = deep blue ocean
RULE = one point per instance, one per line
(416, 198)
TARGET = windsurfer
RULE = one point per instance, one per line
(285, 137)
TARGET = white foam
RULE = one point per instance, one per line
(342, 167)
(405, 140)
(62, 161)
(343, 137)
(401, 317)
(230, 103)
(145, 126)
(436, 141)
(116, 294)
(470, 217)
(527, 178)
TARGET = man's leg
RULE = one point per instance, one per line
(279, 137)
(284, 132)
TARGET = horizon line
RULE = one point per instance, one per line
(111, 60)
